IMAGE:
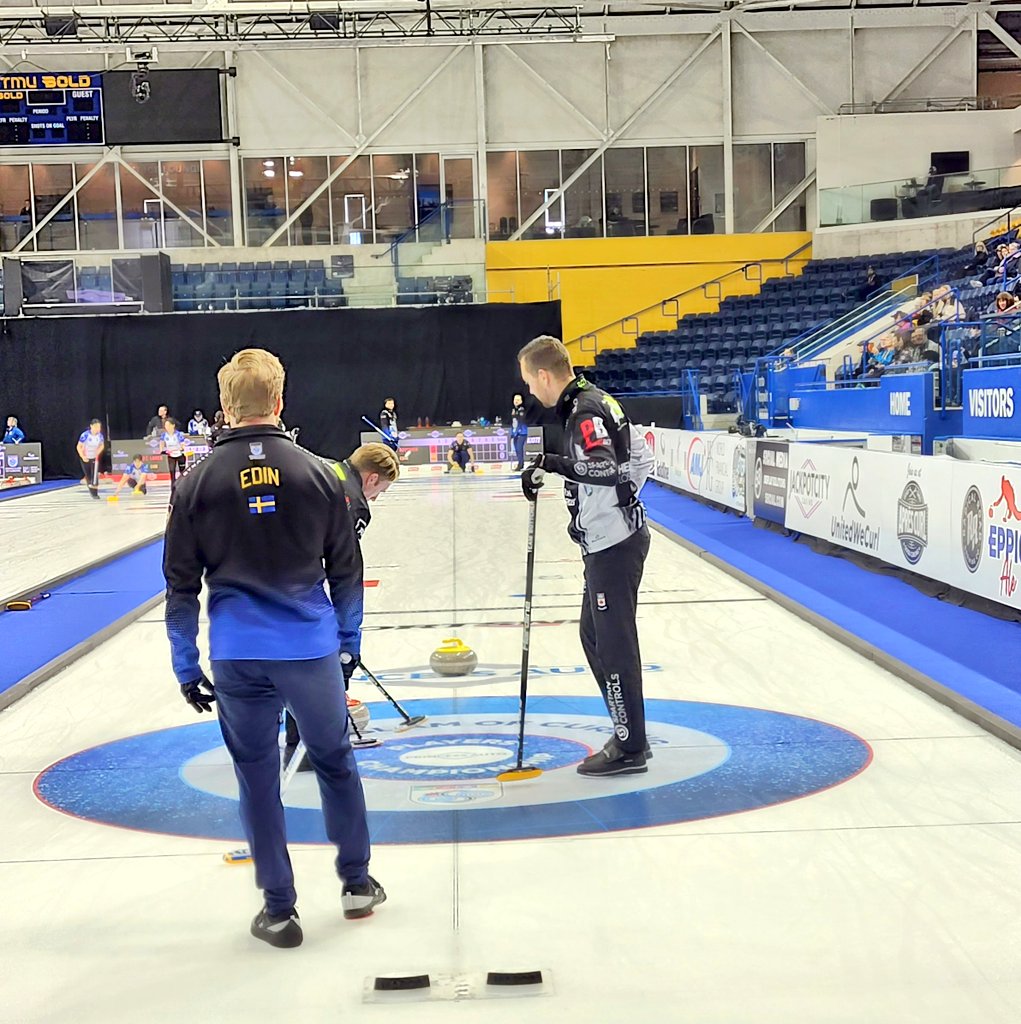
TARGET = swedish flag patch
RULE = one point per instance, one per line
(262, 504)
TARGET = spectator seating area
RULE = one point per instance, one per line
(282, 284)
(432, 291)
(748, 327)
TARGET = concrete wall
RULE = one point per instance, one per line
(853, 150)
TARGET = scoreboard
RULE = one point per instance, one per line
(51, 109)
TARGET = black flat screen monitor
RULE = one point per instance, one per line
(958, 162)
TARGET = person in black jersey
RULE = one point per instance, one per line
(518, 431)
(605, 462)
(366, 475)
(388, 418)
(265, 525)
(460, 454)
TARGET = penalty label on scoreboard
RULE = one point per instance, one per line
(438, 783)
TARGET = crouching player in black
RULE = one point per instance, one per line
(366, 475)
(266, 524)
(605, 463)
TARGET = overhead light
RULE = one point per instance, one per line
(293, 173)
(268, 163)
(270, 173)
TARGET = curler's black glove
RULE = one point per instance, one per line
(531, 478)
(348, 664)
(199, 694)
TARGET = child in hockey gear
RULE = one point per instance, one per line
(605, 463)
(91, 445)
(172, 443)
(263, 524)
(135, 475)
(519, 432)
(460, 454)
(366, 475)
(199, 425)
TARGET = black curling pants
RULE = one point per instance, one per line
(609, 634)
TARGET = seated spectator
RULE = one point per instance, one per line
(903, 324)
(13, 434)
(872, 283)
(946, 307)
(979, 261)
(1004, 303)
(218, 427)
(910, 351)
(882, 355)
(923, 311)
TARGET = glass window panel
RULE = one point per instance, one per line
(351, 202)
(97, 208)
(459, 191)
(626, 201)
(583, 201)
(264, 180)
(502, 200)
(15, 206)
(182, 186)
(706, 197)
(668, 190)
(219, 209)
(788, 171)
(304, 175)
(540, 175)
(394, 189)
(753, 189)
(52, 182)
(427, 186)
(143, 223)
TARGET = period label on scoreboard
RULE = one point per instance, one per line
(51, 109)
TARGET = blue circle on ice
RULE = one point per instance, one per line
(438, 783)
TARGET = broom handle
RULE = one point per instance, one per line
(527, 630)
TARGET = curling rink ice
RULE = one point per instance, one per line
(815, 840)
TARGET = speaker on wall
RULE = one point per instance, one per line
(14, 295)
(157, 292)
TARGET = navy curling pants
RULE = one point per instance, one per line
(520, 440)
(609, 634)
(249, 696)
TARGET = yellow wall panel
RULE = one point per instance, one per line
(601, 280)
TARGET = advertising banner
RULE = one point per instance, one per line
(21, 464)
(708, 464)
(423, 447)
(123, 451)
(769, 480)
(985, 538)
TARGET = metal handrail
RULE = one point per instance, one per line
(996, 220)
(662, 304)
(931, 103)
(431, 217)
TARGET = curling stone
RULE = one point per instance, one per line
(453, 658)
(359, 714)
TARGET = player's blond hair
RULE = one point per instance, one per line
(251, 383)
(376, 457)
(547, 353)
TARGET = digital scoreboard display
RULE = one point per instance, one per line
(51, 109)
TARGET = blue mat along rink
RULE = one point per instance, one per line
(965, 651)
(76, 611)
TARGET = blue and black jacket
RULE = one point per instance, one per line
(266, 524)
